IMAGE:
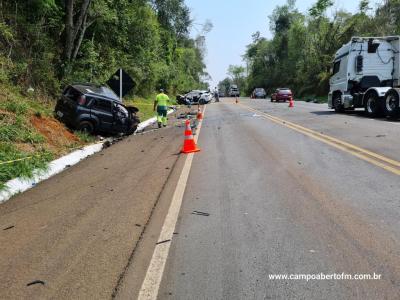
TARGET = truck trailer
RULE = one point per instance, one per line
(365, 74)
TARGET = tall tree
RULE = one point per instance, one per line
(76, 24)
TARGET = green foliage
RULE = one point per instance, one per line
(19, 137)
(301, 51)
(85, 137)
(225, 84)
(237, 76)
(149, 39)
(22, 168)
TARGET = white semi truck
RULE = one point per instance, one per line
(365, 74)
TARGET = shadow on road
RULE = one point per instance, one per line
(355, 113)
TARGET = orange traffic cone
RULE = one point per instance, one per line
(199, 114)
(189, 145)
(237, 100)
(188, 129)
(291, 102)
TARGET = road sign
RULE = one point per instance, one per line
(121, 83)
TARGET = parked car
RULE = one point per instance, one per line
(221, 94)
(234, 91)
(92, 109)
(259, 93)
(282, 94)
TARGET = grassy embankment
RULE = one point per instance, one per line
(29, 135)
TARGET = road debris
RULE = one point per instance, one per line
(36, 282)
(200, 213)
(106, 144)
(9, 227)
(162, 242)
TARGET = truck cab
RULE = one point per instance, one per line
(234, 91)
(364, 72)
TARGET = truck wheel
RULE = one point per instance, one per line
(391, 104)
(372, 107)
(86, 126)
(337, 105)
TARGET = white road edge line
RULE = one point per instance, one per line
(155, 271)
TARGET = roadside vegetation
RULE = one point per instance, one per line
(145, 105)
(300, 53)
(29, 135)
(47, 44)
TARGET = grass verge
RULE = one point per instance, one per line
(145, 106)
(29, 135)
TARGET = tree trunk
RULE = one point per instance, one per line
(73, 27)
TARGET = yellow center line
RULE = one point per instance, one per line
(386, 163)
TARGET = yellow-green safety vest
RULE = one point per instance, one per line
(162, 99)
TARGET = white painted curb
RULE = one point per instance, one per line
(20, 185)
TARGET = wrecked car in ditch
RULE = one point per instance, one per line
(95, 109)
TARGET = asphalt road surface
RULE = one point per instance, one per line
(282, 202)
(277, 191)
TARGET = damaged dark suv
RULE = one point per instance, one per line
(93, 109)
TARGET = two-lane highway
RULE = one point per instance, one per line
(282, 201)
(276, 199)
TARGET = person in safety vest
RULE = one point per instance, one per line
(161, 104)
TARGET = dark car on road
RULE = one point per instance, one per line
(282, 94)
(92, 109)
(259, 93)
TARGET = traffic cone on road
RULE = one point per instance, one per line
(189, 145)
(199, 114)
(188, 128)
(237, 100)
(291, 102)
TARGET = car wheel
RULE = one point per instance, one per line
(86, 127)
(372, 105)
(391, 105)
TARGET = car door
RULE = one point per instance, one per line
(101, 109)
(66, 106)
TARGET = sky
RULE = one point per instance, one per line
(234, 22)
